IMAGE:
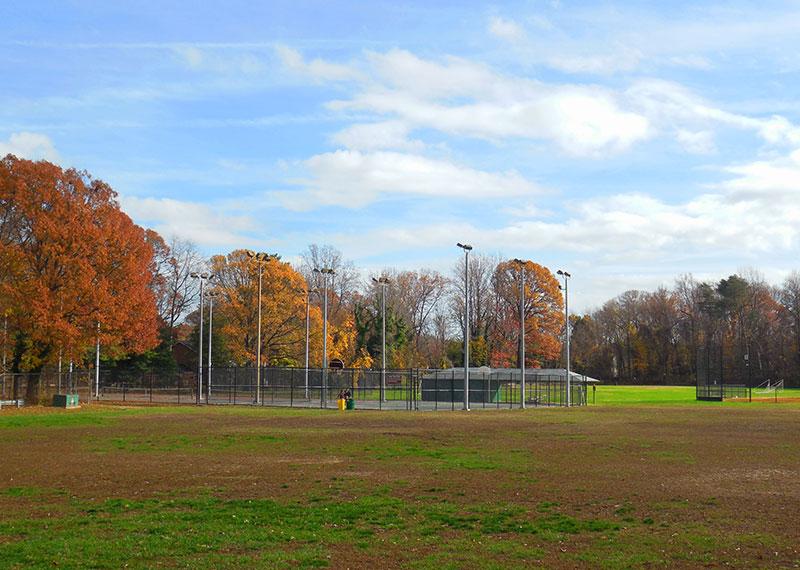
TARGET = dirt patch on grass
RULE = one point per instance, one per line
(669, 486)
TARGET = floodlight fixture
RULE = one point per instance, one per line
(467, 248)
(566, 277)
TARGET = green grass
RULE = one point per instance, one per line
(608, 395)
(209, 532)
(647, 478)
(55, 418)
(184, 443)
(626, 395)
(438, 455)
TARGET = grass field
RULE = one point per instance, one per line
(646, 478)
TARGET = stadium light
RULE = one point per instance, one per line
(325, 272)
(467, 248)
(521, 265)
(307, 292)
(383, 282)
(96, 364)
(203, 277)
(566, 277)
(211, 295)
(260, 259)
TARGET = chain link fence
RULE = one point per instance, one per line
(39, 388)
(395, 389)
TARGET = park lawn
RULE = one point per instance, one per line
(609, 395)
(612, 486)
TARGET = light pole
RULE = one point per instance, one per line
(383, 282)
(97, 365)
(5, 343)
(521, 265)
(467, 248)
(211, 295)
(566, 277)
(202, 277)
(307, 292)
(325, 272)
(260, 259)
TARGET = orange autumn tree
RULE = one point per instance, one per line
(544, 315)
(70, 259)
(283, 311)
(342, 342)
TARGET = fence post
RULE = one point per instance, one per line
(436, 390)
(453, 390)
(291, 390)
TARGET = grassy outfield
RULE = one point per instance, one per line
(628, 484)
(607, 395)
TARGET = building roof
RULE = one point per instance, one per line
(482, 372)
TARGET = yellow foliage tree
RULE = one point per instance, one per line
(283, 310)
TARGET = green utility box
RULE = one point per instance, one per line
(65, 401)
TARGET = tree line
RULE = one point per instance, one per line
(736, 330)
(74, 268)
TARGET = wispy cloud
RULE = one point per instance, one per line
(33, 146)
(202, 223)
(352, 179)
(505, 29)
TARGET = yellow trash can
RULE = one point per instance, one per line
(341, 402)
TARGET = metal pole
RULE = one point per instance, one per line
(200, 349)
(466, 329)
(568, 382)
(5, 341)
(383, 336)
(210, 325)
(325, 342)
(97, 365)
(522, 334)
(308, 310)
(258, 346)
(566, 324)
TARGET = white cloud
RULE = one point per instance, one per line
(317, 69)
(696, 142)
(460, 97)
(464, 98)
(352, 179)
(667, 103)
(771, 181)
(691, 61)
(622, 59)
(597, 38)
(376, 136)
(33, 146)
(204, 224)
(755, 212)
(505, 29)
(209, 59)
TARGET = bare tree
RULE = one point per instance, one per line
(179, 292)
(482, 297)
(344, 284)
(417, 295)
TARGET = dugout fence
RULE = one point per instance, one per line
(395, 389)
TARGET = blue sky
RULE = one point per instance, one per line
(625, 142)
